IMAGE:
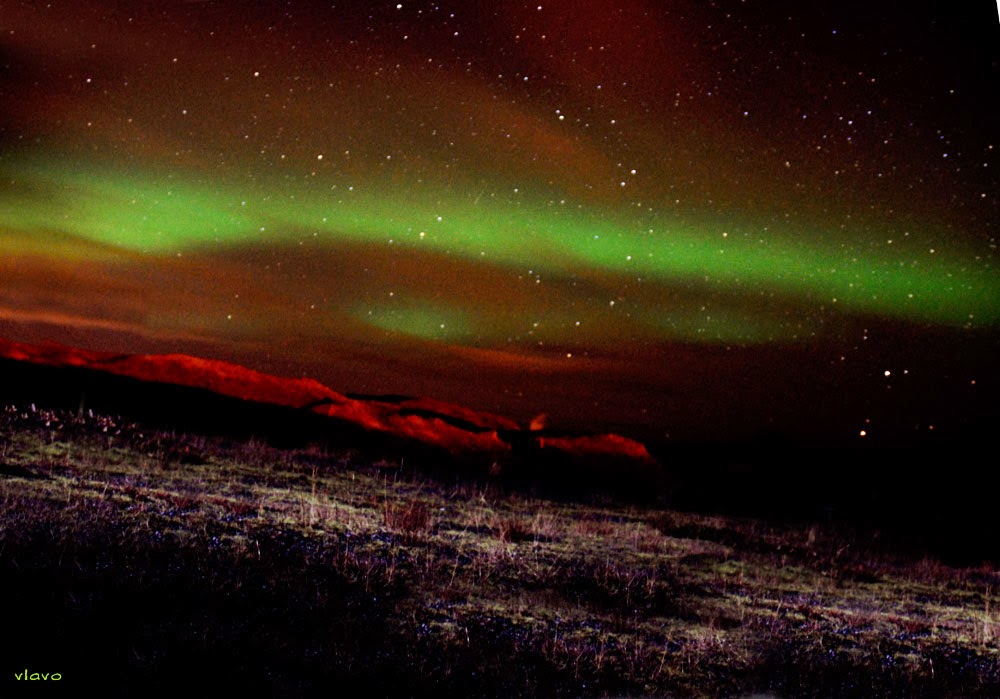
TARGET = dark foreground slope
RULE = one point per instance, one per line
(935, 497)
(140, 562)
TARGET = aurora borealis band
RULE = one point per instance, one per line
(676, 217)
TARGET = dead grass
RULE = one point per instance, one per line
(407, 517)
(301, 569)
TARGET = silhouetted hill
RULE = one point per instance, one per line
(191, 393)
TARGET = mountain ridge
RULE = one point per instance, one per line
(456, 429)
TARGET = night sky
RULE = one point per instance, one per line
(675, 219)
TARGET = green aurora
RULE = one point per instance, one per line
(675, 217)
(162, 213)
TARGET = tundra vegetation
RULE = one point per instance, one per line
(145, 561)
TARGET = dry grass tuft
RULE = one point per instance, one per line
(412, 517)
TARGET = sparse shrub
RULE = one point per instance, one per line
(180, 501)
(243, 508)
(411, 517)
(539, 528)
(596, 525)
(514, 529)
(237, 507)
(184, 455)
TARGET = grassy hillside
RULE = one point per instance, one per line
(142, 562)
